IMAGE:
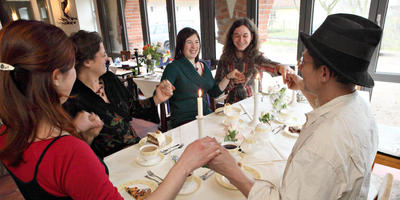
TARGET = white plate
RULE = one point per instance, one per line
(141, 184)
(147, 163)
(249, 171)
(168, 140)
(190, 187)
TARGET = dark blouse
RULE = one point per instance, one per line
(187, 81)
(116, 133)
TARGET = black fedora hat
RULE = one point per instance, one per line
(345, 43)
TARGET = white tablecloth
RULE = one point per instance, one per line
(123, 167)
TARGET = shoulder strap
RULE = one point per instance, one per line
(44, 152)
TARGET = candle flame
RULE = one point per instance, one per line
(200, 92)
(257, 76)
(14, 15)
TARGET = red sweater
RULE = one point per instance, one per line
(69, 168)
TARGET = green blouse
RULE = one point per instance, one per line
(187, 82)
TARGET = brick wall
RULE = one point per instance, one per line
(264, 11)
(224, 21)
(133, 24)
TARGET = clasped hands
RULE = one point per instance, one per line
(163, 92)
(89, 124)
(238, 77)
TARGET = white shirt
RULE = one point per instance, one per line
(333, 156)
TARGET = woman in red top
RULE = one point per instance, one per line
(40, 145)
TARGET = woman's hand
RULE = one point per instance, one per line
(89, 124)
(237, 76)
(284, 70)
(163, 92)
(198, 154)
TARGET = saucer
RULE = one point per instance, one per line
(190, 187)
(168, 140)
(146, 163)
(141, 184)
(290, 120)
(249, 171)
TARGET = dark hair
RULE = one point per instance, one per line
(338, 77)
(229, 50)
(27, 94)
(184, 34)
(87, 45)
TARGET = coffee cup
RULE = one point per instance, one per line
(149, 152)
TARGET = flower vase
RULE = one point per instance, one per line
(150, 66)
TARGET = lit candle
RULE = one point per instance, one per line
(200, 104)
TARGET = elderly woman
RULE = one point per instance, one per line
(188, 74)
(101, 92)
(241, 52)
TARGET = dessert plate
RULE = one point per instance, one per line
(190, 187)
(146, 163)
(249, 171)
(168, 140)
(141, 184)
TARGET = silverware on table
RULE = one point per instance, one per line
(150, 173)
(207, 175)
(173, 149)
(278, 129)
(167, 149)
(153, 179)
(245, 111)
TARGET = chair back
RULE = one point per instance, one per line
(385, 188)
(125, 55)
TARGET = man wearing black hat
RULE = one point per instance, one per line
(333, 156)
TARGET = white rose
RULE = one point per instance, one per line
(148, 56)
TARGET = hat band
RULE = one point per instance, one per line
(345, 45)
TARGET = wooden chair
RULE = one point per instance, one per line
(387, 160)
(385, 188)
(125, 55)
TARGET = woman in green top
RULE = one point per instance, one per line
(188, 75)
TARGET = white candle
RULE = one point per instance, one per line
(200, 126)
(255, 113)
(200, 104)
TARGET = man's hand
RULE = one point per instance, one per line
(163, 92)
(198, 154)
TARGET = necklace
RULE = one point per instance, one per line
(100, 91)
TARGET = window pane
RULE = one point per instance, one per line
(225, 13)
(187, 15)
(390, 48)
(158, 22)
(43, 10)
(86, 15)
(133, 24)
(20, 10)
(386, 103)
(278, 26)
(113, 24)
(323, 8)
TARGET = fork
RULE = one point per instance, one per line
(150, 173)
(153, 179)
(173, 149)
(207, 175)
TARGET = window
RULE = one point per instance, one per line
(189, 16)
(158, 24)
(86, 15)
(43, 10)
(324, 8)
(20, 10)
(278, 29)
(390, 46)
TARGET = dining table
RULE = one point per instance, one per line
(269, 160)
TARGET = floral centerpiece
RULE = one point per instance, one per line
(154, 55)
